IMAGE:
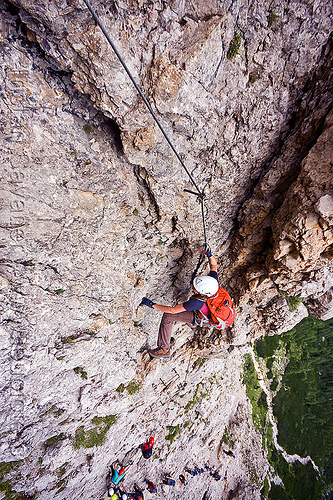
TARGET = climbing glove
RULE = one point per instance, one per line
(206, 251)
(147, 302)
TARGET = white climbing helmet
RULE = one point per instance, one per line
(206, 285)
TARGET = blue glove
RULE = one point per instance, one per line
(147, 302)
(206, 251)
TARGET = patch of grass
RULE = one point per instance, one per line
(234, 46)
(57, 412)
(87, 128)
(272, 18)
(199, 362)
(62, 470)
(59, 291)
(50, 410)
(95, 436)
(7, 467)
(197, 396)
(11, 494)
(67, 340)
(173, 431)
(52, 441)
(80, 371)
(133, 386)
(135, 211)
(255, 394)
(292, 302)
(29, 263)
(253, 77)
(227, 439)
(61, 485)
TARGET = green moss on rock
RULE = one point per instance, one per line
(95, 436)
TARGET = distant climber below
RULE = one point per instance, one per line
(210, 306)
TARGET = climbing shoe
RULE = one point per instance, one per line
(160, 352)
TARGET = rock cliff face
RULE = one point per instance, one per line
(94, 217)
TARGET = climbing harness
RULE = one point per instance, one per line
(222, 312)
(199, 194)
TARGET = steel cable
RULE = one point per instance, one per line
(199, 194)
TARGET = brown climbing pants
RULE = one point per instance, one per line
(167, 322)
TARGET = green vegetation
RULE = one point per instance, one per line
(52, 441)
(272, 18)
(29, 263)
(173, 431)
(87, 128)
(196, 398)
(227, 439)
(199, 362)
(57, 412)
(234, 46)
(13, 495)
(255, 394)
(292, 302)
(132, 387)
(253, 77)
(62, 470)
(121, 388)
(95, 436)
(135, 211)
(303, 408)
(80, 371)
(59, 291)
(7, 467)
(66, 340)
(74, 336)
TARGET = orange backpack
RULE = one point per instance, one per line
(221, 309)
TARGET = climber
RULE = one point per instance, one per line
(113, 495)
(216, 475)
(182, 479)
(118, 475)
(151, 486)
(203, 287)
(208, 467)
(147, 447)
(138, 495)
(229, 453)
(193, 472)
(168, 481)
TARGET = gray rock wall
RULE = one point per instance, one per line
(94, 217)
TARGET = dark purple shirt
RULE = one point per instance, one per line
(197, 304)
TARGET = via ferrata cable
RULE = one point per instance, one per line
(199, 193)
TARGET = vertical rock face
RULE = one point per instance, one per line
(94, 217)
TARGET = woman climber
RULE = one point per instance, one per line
(194, 312)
